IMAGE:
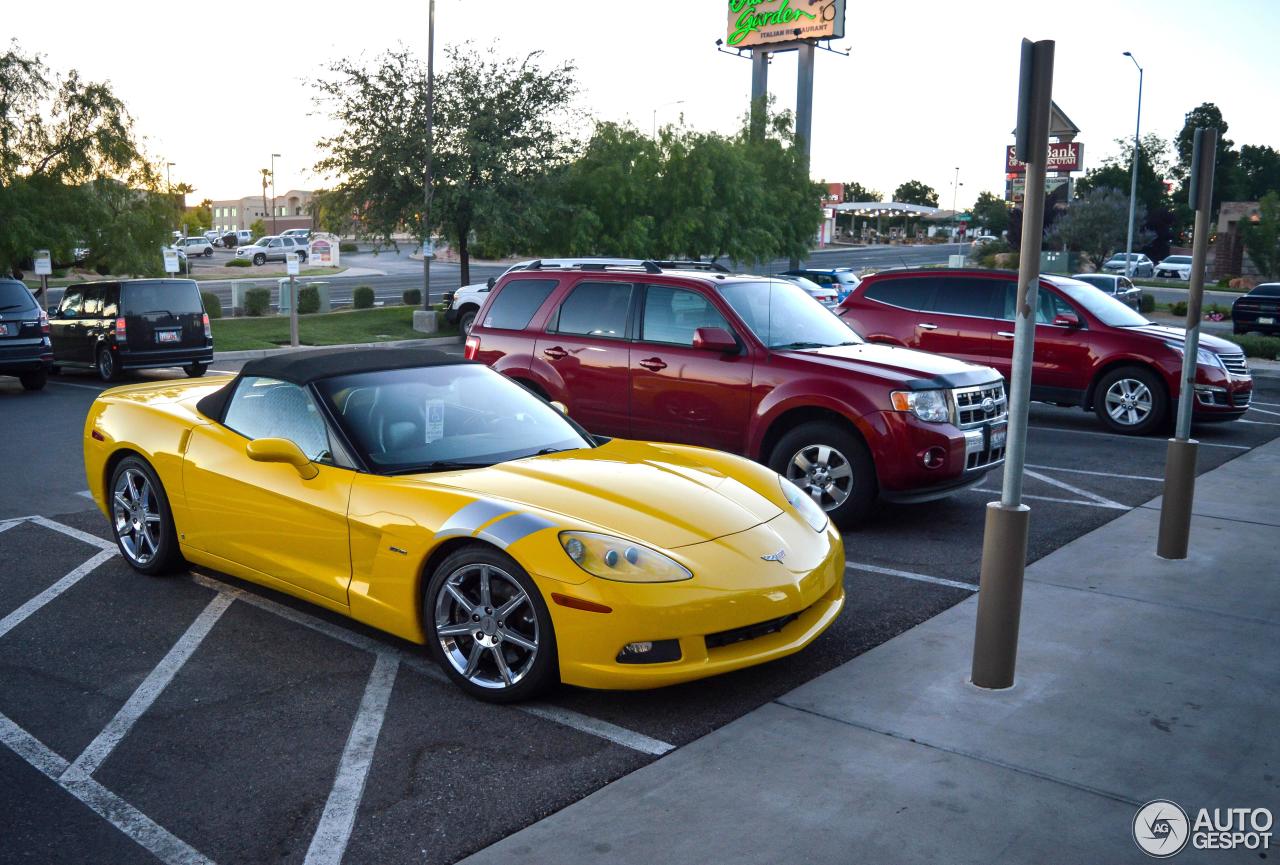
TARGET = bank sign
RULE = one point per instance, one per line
(764, 22)
(1066, 156)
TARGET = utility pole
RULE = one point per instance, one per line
(428, 249)
(168, 183)
(1004, 542)
(804, 110)
(1133, 183)
(274, 208)
(955, 189)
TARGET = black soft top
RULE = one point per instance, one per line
(304, 367)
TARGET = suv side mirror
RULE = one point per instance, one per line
(278, 450)
(491, 282)
(714, 339)
(1066, 319)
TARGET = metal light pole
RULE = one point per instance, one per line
(1133, 184)
(955, 190)
(804, 109)
(655, 115)
(168, 183)
(427, 250)
(274, 206)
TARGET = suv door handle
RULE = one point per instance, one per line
(653, 364)
(924, 326)
(1008, 334)
(555, 353)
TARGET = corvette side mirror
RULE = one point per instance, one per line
(281, 451)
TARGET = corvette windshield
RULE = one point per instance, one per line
(784, 316)
(440, 418)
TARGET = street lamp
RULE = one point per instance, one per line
(655, 115)
(274, 207)
(955, 188)
(169, 186)
(427, 177)
(1133, 184)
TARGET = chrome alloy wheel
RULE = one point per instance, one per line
(822, 472)
(486, 625)
(136, 513)
(1128, 401)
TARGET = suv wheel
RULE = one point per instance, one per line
(34, 380)
(467, 319)
(259, 258)
(302, 257)
(832, 465)
(108, 369)
(195, 370)
(1130, 401)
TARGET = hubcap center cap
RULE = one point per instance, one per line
(488, 626)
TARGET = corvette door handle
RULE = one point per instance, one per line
(1007, 334)
(653, 364)
(923, 326)
(555, 353)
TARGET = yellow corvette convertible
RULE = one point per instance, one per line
(438, 500)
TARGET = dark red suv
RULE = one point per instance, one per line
(1090, 351)
(749, 365)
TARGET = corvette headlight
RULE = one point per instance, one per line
(613, 558)
(928, 405)
(815, 516)
(1203, 355)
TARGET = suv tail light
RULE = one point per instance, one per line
(208, 331)
(472, 348)
(120, 329)
(44, 323)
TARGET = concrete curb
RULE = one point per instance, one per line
(255, 353)
(1268, 369)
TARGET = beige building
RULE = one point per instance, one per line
(289, 210)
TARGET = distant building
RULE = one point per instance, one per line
(290, 210)
(1229, 257)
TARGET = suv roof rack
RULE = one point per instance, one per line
(648, 265)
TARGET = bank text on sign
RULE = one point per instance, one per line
(1065, 156)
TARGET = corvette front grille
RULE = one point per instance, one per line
(750, 632)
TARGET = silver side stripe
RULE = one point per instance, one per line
(466, 520)
(503, 533)
(508, 530)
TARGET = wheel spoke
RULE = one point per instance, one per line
(152, 519)
(510, 606)
(824, 456)
(512, 637)
(502, 664)
(473, 660)
(815, 493)
(802, 463)
(145, 495)
(841, 472)
(486, 597)
(120, 500)
(146, 537)
(459, 598)
(459, 629)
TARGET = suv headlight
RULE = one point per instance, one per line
(1203, 355)
(613, 558)
(815, 516)
(928, 405)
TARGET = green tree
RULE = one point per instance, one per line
(1262, 238)
(258, 229)
(916, 192)
(1116, 171)
(1097, 225)
(855, 191)
(197, 219)
(1226, 171)
(1260, 167)
(991, 212)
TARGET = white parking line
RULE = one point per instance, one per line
(586, 724)
(1062, 485)
(1087, 504)
(1097, 474)
(11, 621)
(339, 817)
(1254, 407)
(73, 384)
(92, 540)
(1271, 404)
(1083, 432)
(164, 845)
(5, 525)
(908, 575)
(156, 681)
(1257, 422)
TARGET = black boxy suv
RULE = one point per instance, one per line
(24, 336)
(132, 324)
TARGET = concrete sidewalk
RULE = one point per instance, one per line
(1138, 679)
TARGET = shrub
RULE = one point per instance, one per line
(1266, 347)
(362, 297)
(348, 246)
(212, 305)
(1178, 307)
(1214, 312)
(1147, 302)
(59, 273)
(308, 300)
(239, 262)
(412, 297)
(1225, 282)
(257, 301)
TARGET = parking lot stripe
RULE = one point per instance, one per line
(1254, 407)
(92, 540)
(586, 724)
(1161, 441)
(156, 681)
(1097, 474)
(1069, 488)
(8, 524)
(1081, 502)
(166, 846)
(11, 621)
(73, 384)
(908, 575)
(1258, 422)
(330, 841)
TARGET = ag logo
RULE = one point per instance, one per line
(1160, 828)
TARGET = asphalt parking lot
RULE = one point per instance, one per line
(198, 718)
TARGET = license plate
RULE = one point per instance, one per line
(166, 336)
(998, 434)
(8, 329)
(1266, 319)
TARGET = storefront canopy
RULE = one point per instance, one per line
(884, 208)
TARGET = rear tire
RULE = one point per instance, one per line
(141, 521)
(466, 320)
(34, 380)
(108, 369)
(1131, 400)
(195, 370)
(831, 464)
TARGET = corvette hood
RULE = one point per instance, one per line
(1178, 334)
(898, 365)
(661, 497)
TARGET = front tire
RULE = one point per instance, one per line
(34, 380)
(488, 626)
(831, 464)
(1131, 400)
(466, 320)
(108, 369)
(259, 259)
(141, 520)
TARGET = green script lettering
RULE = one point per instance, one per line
(751, 20)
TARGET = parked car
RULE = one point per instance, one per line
(985, 238)
(132, 324)
(241, 237)
(825, 295)
(463, 304)
(749, 365)
(1175, 267)
(842, 279)
(1136, 264)
(211, 236)
(1258, 310)
(272, 249)
(194, 246)
(435, 500)
(25, 350)
(1091, 350)
(298, 234)
(1119, 287)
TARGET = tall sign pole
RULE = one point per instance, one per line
(1180, 458)
(428, 249)
(1004, 543)
(759, 91)
(804, 110)
(1133, 183)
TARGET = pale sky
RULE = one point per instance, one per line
(930, 85)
